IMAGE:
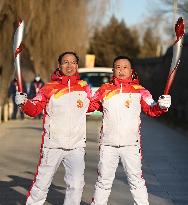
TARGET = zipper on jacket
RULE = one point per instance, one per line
(69, 85)
(118, 120)
(121, 90)
(69, 113)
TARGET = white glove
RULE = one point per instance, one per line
(20, 98)
(164, 101)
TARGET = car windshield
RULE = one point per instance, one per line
(96, 79)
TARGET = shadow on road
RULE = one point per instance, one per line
(26, 128)
(154, 189)
(9, 194)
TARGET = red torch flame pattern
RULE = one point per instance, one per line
(179, 29)
(18, 50)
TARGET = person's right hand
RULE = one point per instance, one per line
(20, 98)
(164, 101)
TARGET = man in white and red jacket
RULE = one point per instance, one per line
(65, 101)
(121, 101)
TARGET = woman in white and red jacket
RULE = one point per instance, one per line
(65, 101)
(121, 101)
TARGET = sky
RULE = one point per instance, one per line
(131, 11)
(135, 11)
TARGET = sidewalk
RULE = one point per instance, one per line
(165, 162)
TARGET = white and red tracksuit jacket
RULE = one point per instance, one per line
(121, 102)
(65, 101)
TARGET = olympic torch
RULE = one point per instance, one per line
(17, 49)
(177, 47)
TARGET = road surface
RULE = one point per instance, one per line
(165, 164)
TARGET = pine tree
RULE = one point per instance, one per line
(151, 44)
(113, 39)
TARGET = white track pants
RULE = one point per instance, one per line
(131, 160)
(74, 164)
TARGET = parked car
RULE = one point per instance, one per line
(95, 77)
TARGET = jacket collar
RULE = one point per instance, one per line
(56, 76)
(127, 81)
(72, 79)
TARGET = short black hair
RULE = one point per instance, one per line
(68, 52)
(122, 57)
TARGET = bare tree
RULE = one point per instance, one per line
(169, 11)
(52, 27)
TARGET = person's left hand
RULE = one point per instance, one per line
(164, 101)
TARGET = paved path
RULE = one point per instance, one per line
(165, 165)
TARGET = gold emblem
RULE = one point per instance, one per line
(128, 101)
(79, 103)
(82, 83)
